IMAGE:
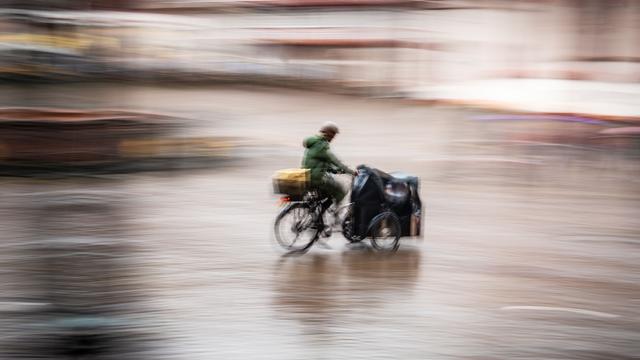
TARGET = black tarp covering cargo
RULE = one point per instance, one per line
(375, 191)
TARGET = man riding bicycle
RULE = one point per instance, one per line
(304, 220)
(319, 159)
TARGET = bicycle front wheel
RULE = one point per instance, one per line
(296, 228)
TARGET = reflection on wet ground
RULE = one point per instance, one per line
(336, 298)
(69, 289)
(318, 287)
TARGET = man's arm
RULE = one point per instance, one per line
(337, 163)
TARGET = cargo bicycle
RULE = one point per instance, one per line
(383, 208)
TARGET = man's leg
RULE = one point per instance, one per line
(333, 189)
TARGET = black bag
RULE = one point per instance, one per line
(375, 191)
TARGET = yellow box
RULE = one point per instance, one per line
(291, 181)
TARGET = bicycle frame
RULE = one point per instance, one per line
(314, 198)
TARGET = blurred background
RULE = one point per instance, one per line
(138, 140)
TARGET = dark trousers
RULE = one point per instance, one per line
(332, 188)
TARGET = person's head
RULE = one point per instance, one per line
(329, 130)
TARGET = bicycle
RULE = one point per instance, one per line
(301, 223)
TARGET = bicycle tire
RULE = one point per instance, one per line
(387, 221)
(348, 228)
(310, 222)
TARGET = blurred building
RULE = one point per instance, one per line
(382, 46)
(68, 4)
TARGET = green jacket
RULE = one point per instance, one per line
(319, 158)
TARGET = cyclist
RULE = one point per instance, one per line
(319, 159)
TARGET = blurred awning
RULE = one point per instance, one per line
(349, 43)
(14, 117)
(314, 3)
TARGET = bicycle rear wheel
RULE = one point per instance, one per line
(296, 227)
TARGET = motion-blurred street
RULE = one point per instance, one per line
(530, 248)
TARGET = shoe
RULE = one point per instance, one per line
(332, 209)
(326, 232)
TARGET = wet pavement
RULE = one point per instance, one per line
(528, 253)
